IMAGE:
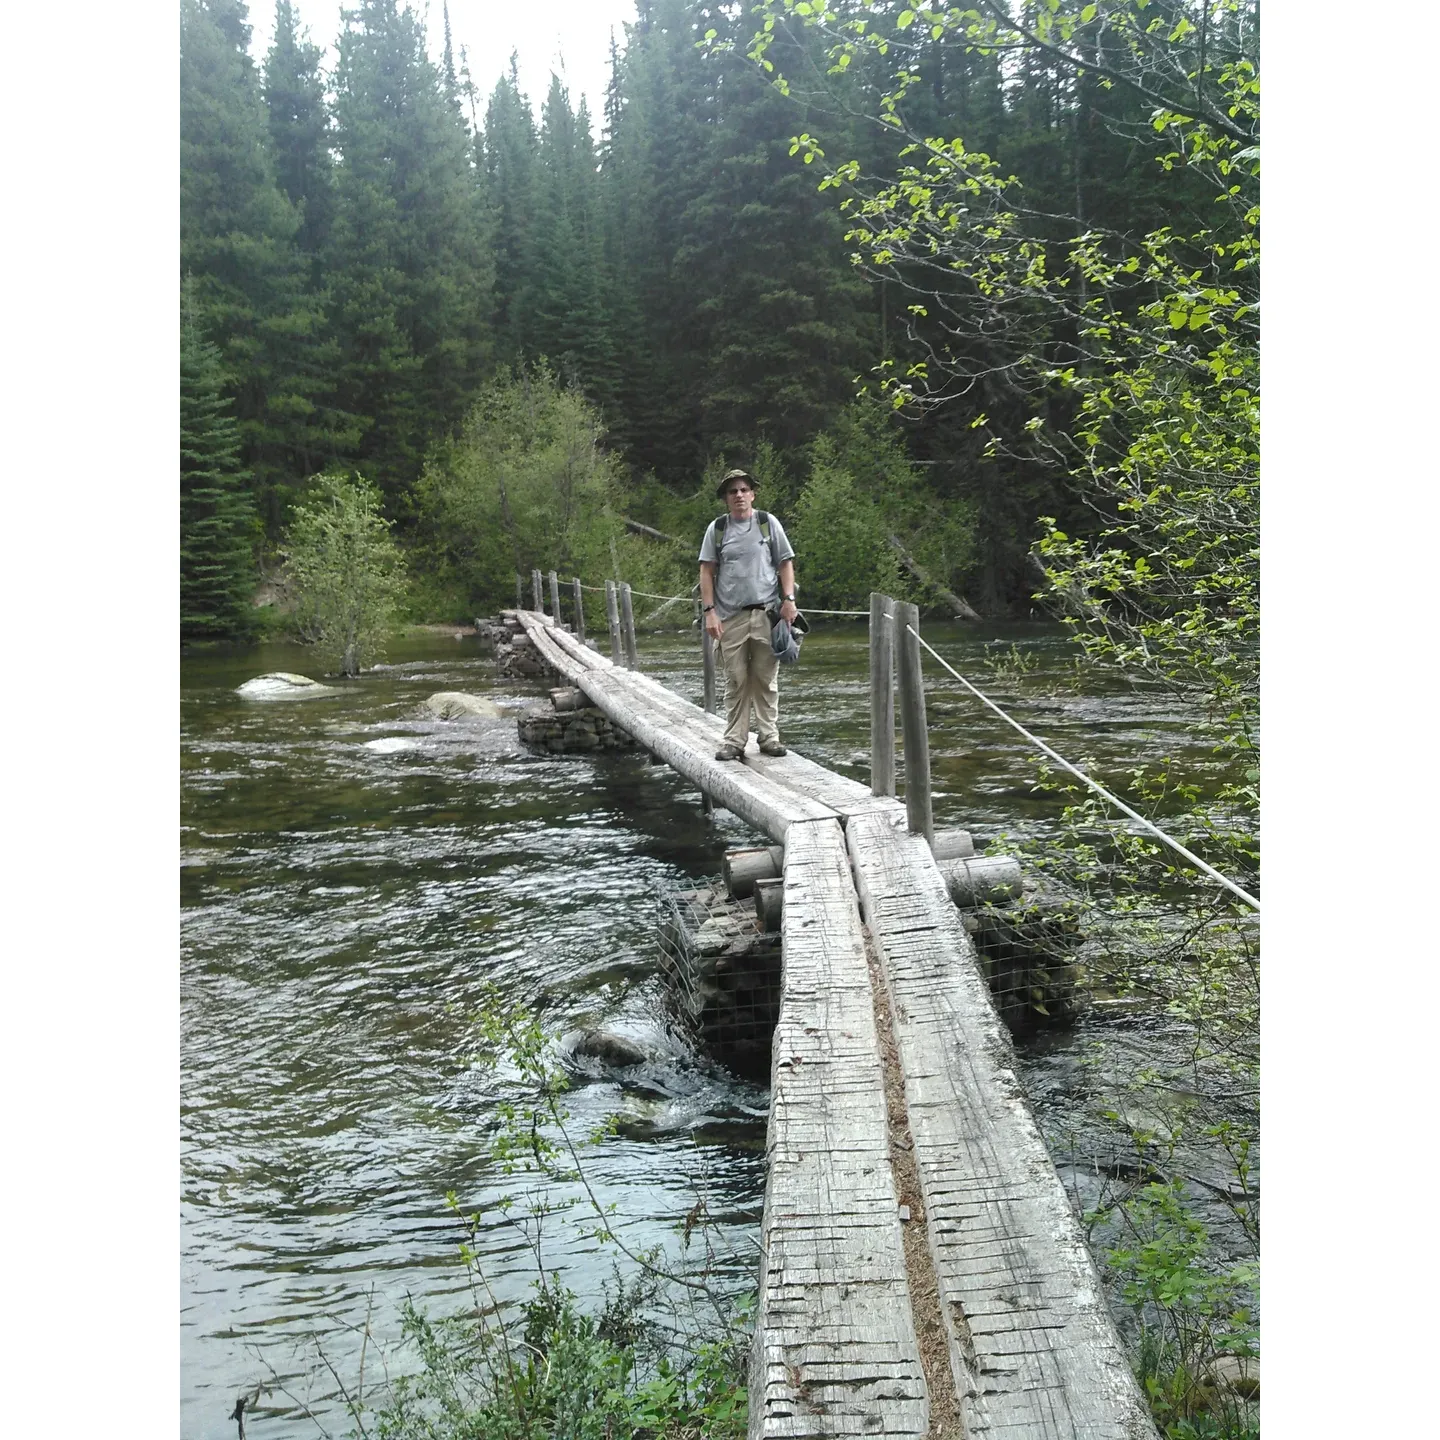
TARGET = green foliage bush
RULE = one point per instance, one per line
(345, 571)
(862, 489)
(568, 1378)
(528, 484)
(839, 538)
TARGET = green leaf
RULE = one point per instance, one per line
(1087, 14)
(905, 20)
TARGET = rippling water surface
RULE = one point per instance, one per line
(354, 877)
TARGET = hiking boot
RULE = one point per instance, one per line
(729, 752)
(772, 747)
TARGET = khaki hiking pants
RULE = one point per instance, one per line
(750, 665)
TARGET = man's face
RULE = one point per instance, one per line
(739, 497)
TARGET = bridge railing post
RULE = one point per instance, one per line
(627, 615)
(537, 585)
(554, 597)
(882, 694)
(519, 591)
(912, 718)
(707, 654)
(579, 610)
(612, 618)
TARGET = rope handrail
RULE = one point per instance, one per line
(1095, 785)
(648, 595)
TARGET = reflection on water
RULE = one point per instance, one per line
(355, 876)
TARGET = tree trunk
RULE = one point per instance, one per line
(957, 606)
(637, 528)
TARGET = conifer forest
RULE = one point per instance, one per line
(953, 283)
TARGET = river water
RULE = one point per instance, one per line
(355, 881)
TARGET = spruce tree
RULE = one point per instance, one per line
(217, 516)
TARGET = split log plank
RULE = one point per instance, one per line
(1033, 1349)
(795, 771)
(835, 1351)
(759, 802)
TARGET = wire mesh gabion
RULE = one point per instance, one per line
(723, 971)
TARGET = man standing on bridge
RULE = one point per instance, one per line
(747, 574)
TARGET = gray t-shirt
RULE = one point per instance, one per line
(747, 574)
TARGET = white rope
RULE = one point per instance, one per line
(646, 595)
(1095, 785)
(863, 614)
(643, 594)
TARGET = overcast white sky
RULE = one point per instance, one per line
(570, 37)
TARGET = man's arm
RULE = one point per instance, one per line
(707, 598)
(787, 588)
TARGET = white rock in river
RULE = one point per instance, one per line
(389, 744)
(281, 685)
(454, 705)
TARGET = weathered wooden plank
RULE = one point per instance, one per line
(835, 1350)
(767, 806)
(1002, 1235)
(794, 771)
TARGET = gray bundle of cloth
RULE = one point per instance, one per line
(785, 638)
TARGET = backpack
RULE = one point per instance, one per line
(766, 534)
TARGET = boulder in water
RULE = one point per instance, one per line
(610, 1049)
(281, 685)
(455, 705)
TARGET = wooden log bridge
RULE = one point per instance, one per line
(923, 1272)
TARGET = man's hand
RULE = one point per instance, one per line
(713, 626)
(788, 612)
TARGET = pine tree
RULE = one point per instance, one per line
(299, 124)
(217, 516)
(409, 263)
(239, 238)
(653, 165)
(510, 147)
(570, 324)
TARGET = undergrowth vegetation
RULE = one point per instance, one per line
(660, 1355)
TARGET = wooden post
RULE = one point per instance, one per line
(554, 597)
(912, 719)
(627, 615)
(707, 656)
(519, 591)
(612, 617)
(882, 694)
(538, 586)
(952, 845)
(579, 610)
(742, 868)
(769, 904)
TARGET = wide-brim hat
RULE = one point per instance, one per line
(735, 475)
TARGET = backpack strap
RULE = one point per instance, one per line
(766, 534)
